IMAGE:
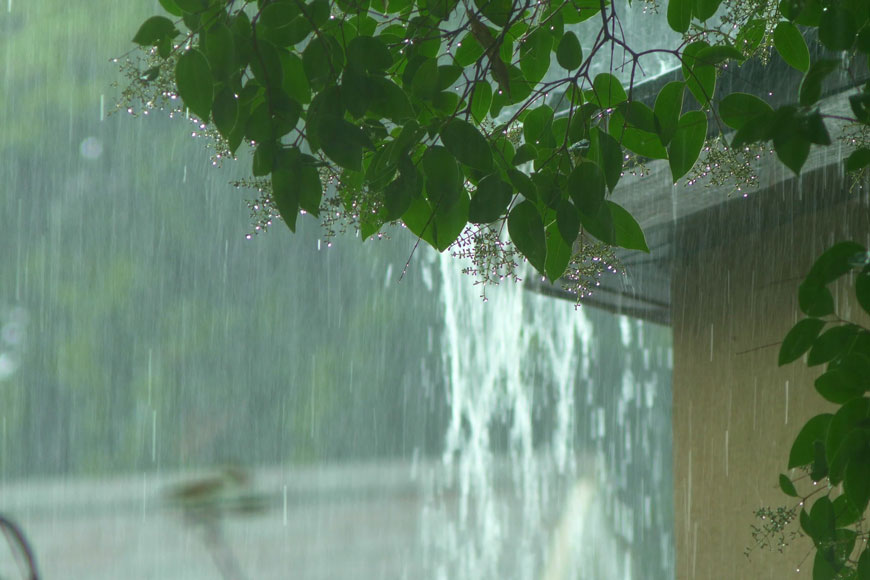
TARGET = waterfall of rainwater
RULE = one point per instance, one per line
(531, 479)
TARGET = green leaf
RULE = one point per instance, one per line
(837, 28)
(481, 100)
(369, 54)
(468, 51)
(812, 127)
(627, 231)
(440, 8)
(380, 170)
(310, 190)
(862, 290)
(153, 30)
(685, 147)
(606, 152)
(792, 148)
(823, 520)
(295, 83)
(669, 104)
(525, 153)
(278, 14)
(608, 91)
(490, 200)
(424, 82)
(864, 564)
(791, 9)
(398, 195)
(791, 46)
(787, 486)
(526, 231)
(680, 14)
(845, 512)
(803, 449)
(171, 7)
(700, 77)
(823, 567)
(537, 127)
(535, 55)
(523, 184)
(852, 447)
(424, 42)
(839, 385)
(856, 481)
(638, 115)
(799, 339)
(738, 109)
(600, 225)
(503, 152)
(322, 59)
(834, 342)
(815, 300)
(342, 142)
(717, 54)
(843, 545)
(643, 143)
(761, 128)
(225, 112)
(639, 133)
(840, 437)
(259, 125)
(284, 30)
(834, 262)
(498, 11)
(195, 83)
(750, 35)
(550, 186)
(443, 177)
(863, 43)
(445, 102)
(861, 106)
(219, 47)
(466, 143)
(859, 159)
(520, 89)
(150, 74)
(306, 179)
(819, 469)
(811, 86)
(286, 197)
(705, 9)
(285, 113)
(439, 226)
(568, 221)
(558, 253)
(408, 186)
(587, 187)
(569, 53)
(583, 10)
(389, 101)
(447, 75)
(264, 158)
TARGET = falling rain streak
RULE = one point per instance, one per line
(377, 428)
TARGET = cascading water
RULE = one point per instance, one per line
(533, 480)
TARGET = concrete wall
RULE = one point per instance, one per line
(735, 413)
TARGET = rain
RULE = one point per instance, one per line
(184, 395)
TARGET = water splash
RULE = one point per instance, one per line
(514, 496)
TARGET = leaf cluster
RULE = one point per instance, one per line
(409, 102)
(834, 446)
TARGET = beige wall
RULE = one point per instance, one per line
(735, 413)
